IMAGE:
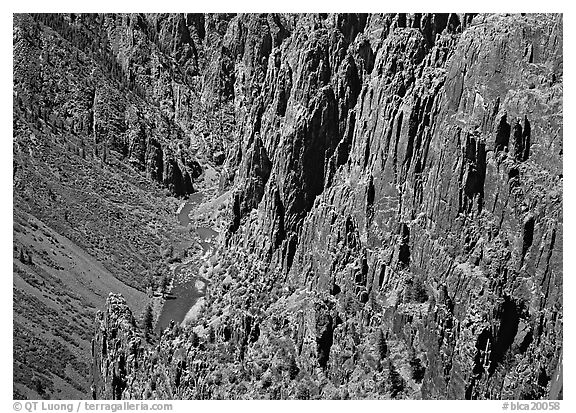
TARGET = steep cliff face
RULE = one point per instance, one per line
(433, 198)
(396, 220)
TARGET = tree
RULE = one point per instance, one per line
(211, 334)
(416, 291)
(149, 283)
(148, 321)
(38, 385)
(418, 369)
(381, 345)
(194, 339)
(395, 381)
(293, 369)
(164, 283)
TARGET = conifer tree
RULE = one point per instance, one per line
(148, 321)
(381, 345)
(395, 381)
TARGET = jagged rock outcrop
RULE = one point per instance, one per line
(115, 335)
(397, 175)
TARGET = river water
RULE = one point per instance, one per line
(177, 304)
(193, 201)
(184, 295)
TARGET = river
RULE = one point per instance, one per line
(184, 295)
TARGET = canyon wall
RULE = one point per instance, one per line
(395, 211)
